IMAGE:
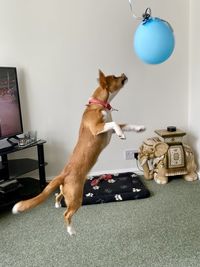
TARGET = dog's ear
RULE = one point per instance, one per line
(102, 79)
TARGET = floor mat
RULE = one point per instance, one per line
(113, 187)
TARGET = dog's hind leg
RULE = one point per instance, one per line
(59, 197)
(73, 198)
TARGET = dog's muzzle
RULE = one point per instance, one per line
(125, 79)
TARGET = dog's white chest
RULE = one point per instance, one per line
(106, 115)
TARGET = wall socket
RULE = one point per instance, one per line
(130, 154)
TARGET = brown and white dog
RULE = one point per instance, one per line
(94, 135)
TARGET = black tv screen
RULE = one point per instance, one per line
(10, 111)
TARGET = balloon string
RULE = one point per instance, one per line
(133, 14)
(145, 16)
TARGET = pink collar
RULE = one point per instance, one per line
(100, 102)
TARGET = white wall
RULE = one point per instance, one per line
(194, 81)
(58, 47)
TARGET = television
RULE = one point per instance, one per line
(10, 110)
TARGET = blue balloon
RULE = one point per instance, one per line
(154, 41)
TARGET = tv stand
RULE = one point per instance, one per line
(8, 143)
(13, 140)
(5, 145)
(10, 169)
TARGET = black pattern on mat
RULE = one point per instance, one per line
(115, 187)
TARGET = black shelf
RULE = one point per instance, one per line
(28, 188)
(13, 169)
(18, 167)
(16, 148)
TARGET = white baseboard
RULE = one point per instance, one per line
(96, 173)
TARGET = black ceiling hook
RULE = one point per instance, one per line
(147, 15)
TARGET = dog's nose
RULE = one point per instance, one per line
(124, 77)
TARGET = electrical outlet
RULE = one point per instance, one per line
(136, 155)
(130, 154)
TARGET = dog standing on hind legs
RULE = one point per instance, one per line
(94, 135)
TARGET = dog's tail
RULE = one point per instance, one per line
(33, 202)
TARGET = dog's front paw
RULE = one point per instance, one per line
(140, 128)
(122, 136)
(119, 132)
(133, 128)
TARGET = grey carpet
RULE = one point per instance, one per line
(160, 231)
